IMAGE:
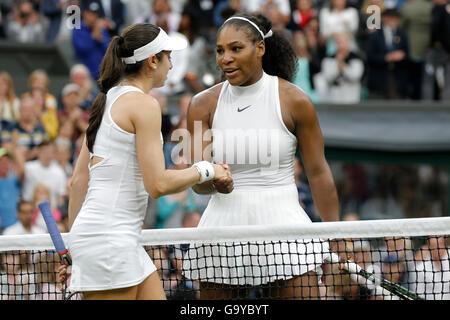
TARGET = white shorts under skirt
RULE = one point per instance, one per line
(254, 263)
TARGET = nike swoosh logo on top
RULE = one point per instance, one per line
(240, 110)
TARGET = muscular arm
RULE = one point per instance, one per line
(309, 135)
(79, 183)
(199, 119)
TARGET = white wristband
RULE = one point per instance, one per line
(206, 171)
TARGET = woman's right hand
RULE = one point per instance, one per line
(223, 181)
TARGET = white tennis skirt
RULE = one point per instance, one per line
(254, 263)
(107, 261)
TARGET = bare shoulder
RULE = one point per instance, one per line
(204, 103)
(295, 100)
(140, 103)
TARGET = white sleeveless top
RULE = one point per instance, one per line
(106, 235)
(250, 135)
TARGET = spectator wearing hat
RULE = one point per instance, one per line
(11, 176)
(71, 111)
(387, 59)
(91, 40)
(112, 11)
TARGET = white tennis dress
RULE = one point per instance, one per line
(105, 239)
(250, 135)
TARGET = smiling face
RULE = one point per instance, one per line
(238, 56)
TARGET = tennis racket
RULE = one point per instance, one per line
(393, 288)
(56, 238)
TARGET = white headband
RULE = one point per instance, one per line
(264, 36)
(161, 43)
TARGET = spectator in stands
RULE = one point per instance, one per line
(175, 84)
(25, 225)
(39, 80)
(9, 103)
(11, 176)
(171, 207)
(338, 18)
(45, 116)
(185, 288)
(25, 24)
(136, 11)
(28, 133)
(205, 10)
(47, 171)
(52, 9)
(16, 276)
(162, 11)
(224, 6)
(387, 58)
(79, 75)
(71, 111)
(316, 44)
(201, 72)
(278, 11)
(431, 277)
(42, 193)
(91, 40)
(438, 60)
(112, 11)
(340, 78)
(416, 22)
(302, 13)
(367, 26)
(63, 155)
(302, 75)
(47, 288)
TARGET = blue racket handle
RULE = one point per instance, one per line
(52, 228)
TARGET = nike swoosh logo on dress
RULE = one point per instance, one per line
(240, 110)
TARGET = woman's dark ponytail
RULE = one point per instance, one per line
(111, 71)
(279, 59)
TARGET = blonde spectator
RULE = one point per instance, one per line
(39, 79)
(9, 103)
(46, 117)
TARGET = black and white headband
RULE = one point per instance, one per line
(264, 36)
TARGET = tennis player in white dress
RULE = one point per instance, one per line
(258, 120)
(120, 164)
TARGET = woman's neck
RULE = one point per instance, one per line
(145, 85)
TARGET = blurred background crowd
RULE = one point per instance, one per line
(349, 51)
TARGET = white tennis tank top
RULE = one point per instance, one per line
(116, 200)
(250, 135)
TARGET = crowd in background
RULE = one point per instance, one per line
(341, 59)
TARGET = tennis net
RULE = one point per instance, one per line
(399, 258)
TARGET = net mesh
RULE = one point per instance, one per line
(400, 259)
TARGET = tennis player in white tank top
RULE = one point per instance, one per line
(120, 163)
(279, 117)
